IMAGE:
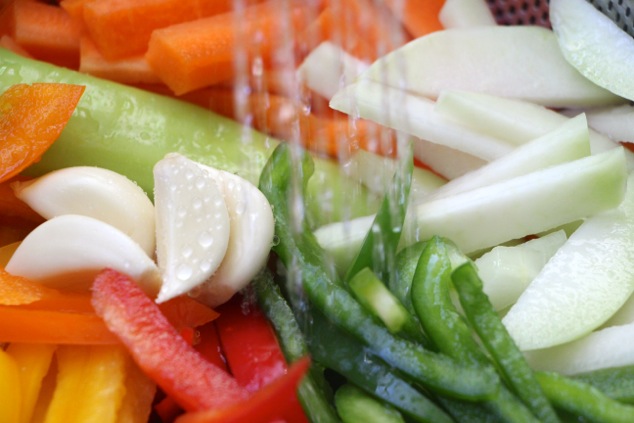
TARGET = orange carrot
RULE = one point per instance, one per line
(122, 28)
(31, 119)
(9, 43)
(200, 53)
(419, 17)
(361, 27)
(284, 118)
(130, 70)
(47, 32)
(19, 324)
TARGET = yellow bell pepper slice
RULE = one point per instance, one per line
(33, 361)
(137, 402)
(90, 384)
(9, 388)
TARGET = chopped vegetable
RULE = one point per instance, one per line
(9, 388)
(158, 349)
(32, 118)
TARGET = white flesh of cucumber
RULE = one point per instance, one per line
(567, 142)
(511, 120)
(507, 271)
(525, 205)
(594, 45)
(605, 348)
(616, 122)
(413, 115)
(586, 282)
(448, 162)
(522, 62)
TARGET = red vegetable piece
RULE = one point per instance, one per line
(249, 344)
(157, 347)
(267, 405)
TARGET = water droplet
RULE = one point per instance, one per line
(184, 272)
(197, 203)
(187, 251)
(205, 239)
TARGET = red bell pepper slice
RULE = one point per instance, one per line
(267, 405)
(249, 344)
(193, 382)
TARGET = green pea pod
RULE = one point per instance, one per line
(337, 350)
(447, 328)
(313, 391)
(378, 251)
(304, 260)
(128, 130)
(507, 357)
(615, 382)
(583, 400)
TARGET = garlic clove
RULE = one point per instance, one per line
(250, 239)
(67, 252)
(95, 192)
(192, 225)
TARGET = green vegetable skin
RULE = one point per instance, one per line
(128, 130)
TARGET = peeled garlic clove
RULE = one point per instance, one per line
(250, 238)
(67, 252)
(192, 225)
(95, 192)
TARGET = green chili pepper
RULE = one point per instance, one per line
(304, 260)
(505, 354)
(615, 382)
(313, 390)
(378, 251)
(583, 400)
(342, 353)
(128, 130)
(447, 328)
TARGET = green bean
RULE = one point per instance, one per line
(583, 400)
(355, 406)
(305, 262)
(499, 343)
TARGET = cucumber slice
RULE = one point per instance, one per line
(448, 162)
(355, 406)
(585, 282)
(522, 62)
(567, 142)
(414, 115)
(507, 271)
(594, 45)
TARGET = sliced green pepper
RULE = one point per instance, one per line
(305, 262)
(128, 130)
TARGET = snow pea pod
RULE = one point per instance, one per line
(128, 130)
(507, 357)
(306, 266)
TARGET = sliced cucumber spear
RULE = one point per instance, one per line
(586, 282)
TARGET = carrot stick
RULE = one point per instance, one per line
(130, 70)
(18, 324)
(200, 53)
(122, 28)
(9, 43)
(32, 118)
(47, 32)
(419, 17)
(284, 118)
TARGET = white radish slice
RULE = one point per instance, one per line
(594, 45)
(584, 284)
(192, 225)
(465, 14)
(68, 251)
(252, 228)
(522, 62)
(95, 192)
